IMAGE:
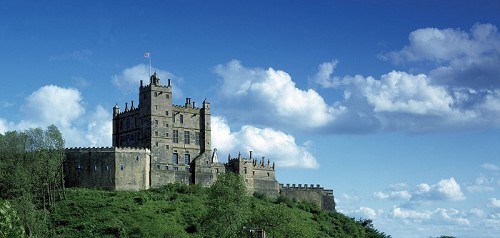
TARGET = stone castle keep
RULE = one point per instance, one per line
(156, 143)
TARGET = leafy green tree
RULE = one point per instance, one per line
(10, 225)
(228, 207)
(31, 175)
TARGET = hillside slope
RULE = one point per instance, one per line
(184, 211)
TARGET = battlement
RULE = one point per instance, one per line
(106, 149)
(301, 186)
(157, 85)
(309, 192)
(185, 106)
(129, 111)
(255, 163)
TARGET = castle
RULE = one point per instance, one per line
(157, 143)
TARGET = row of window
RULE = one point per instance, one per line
(187, 137)
(175, 158)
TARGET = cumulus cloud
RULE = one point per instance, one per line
(99, 128)
(493, 202)
(54, 105)
(445, 189)
(393, 195)
(256, 90)
(3, 126)
(129, 79)
(481, 184)
(438, 216)
(65, 108)
(364, 212)
(324, 75)
(274, 145)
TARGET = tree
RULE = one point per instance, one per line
(228, 207)
(10, 225)
(31, 174)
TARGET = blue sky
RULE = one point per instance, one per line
(392, 104)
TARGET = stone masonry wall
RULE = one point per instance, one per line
(107, 168)
(310, 193)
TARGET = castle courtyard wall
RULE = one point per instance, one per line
(107, 168)
(310, 193)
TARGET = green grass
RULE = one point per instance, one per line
(179, 211)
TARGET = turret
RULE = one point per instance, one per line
(116, 110)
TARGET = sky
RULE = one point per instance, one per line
(394, 105)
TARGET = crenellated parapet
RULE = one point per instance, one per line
(310, 193)
(106, 149)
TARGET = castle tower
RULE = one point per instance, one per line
(155, 118)
(175, 134)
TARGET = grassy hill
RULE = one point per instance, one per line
(183, 211)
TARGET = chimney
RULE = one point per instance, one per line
(168, 82)
(251, 154)
(132, 107)
(141, 83)
(126, 106)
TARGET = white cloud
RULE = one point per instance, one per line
(274, 145)
(481, 184)
(64, 108)
(54, 105)
(129, 79)
(324, 75)
(364, 212)
(99, 128)
(438, 216)
(493, 202)
(256, 90)
(476, 212)
(399, 212)
(445, 189)
(3, 126)
(490, 166)
(393, 195)
(449, 44)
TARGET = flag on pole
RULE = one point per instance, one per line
(146, 55)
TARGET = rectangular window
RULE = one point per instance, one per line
(181, 118)
(175, 158)
(173, 118)
(156, 107)
(156, 133)
(187, 159)
(156, 122)
(186, 137)
(197, 138)
(175, 137)
(166, 113)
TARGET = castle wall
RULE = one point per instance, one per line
(132, 169)
(205, 170)
(259, 177)
(107, 168)
(90, 168)
(310, 193)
